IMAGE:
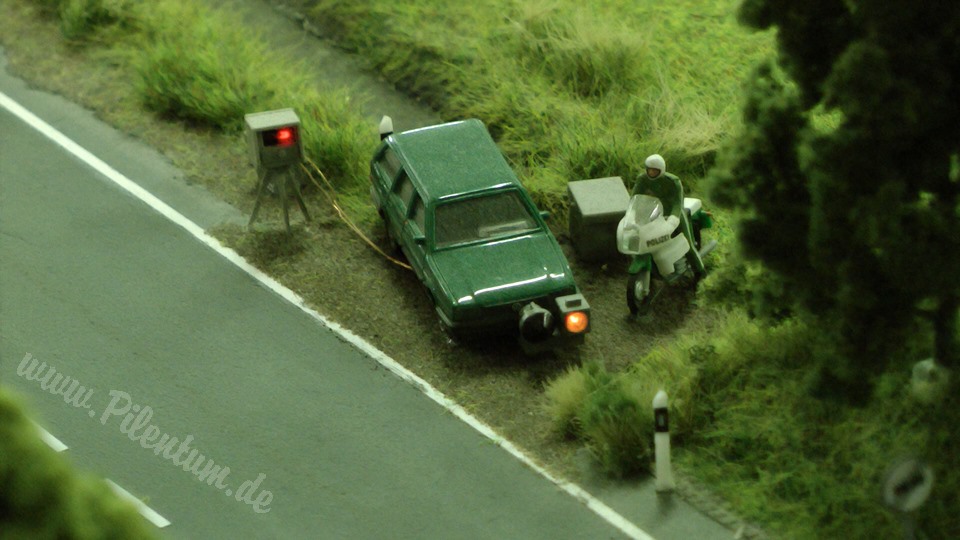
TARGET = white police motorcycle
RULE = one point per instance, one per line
(657, 246)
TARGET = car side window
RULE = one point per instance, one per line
(389, 163)
(419, 216)
(403, 189)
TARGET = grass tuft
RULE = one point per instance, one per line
(604, 411)
(85, 20)
(585, 55)
(565, 396)
(203, 69)
(617, 431)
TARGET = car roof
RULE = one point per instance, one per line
(452, 159)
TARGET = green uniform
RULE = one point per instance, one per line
(665, 187)
(668, 189)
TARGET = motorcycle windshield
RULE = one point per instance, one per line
(643, 209)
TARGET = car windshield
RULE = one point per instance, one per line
(481, 218)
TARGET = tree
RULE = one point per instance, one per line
(847, 169)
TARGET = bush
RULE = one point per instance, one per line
(336, 138)
(43, 497)
(612, 415)
(81, 20)
(670, 369)
(617, 430)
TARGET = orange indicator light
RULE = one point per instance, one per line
(576, 322)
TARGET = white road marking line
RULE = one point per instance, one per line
(51, 441)
(145, 511)
(596, 505)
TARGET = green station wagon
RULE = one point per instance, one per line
(473, 236)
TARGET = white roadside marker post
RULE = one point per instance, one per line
(906, 486)
(661, 442)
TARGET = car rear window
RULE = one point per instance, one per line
(389, 163)
(481, 218)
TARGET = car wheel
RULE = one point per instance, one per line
(448, 331)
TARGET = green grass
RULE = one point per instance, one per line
(196, 68)
(84, 21)
(565, 396)
(808, 467)
(744, 422)
(569, 92)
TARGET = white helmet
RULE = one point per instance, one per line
(656, 162)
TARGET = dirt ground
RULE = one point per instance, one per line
(339, 275)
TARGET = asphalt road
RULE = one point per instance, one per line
(104, 289)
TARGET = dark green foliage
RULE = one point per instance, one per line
(810, 36)
(735, 282)
(858, 219)
(41, 497)
(81, 18)
(764, 168)
(802, 466)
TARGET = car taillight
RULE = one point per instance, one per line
(576, 322)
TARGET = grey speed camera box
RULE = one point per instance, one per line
(274, 138)
(596, 208)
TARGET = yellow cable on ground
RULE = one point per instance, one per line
(331, 195)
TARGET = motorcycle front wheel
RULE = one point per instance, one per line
(638, 292)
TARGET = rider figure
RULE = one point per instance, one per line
(658, 183)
